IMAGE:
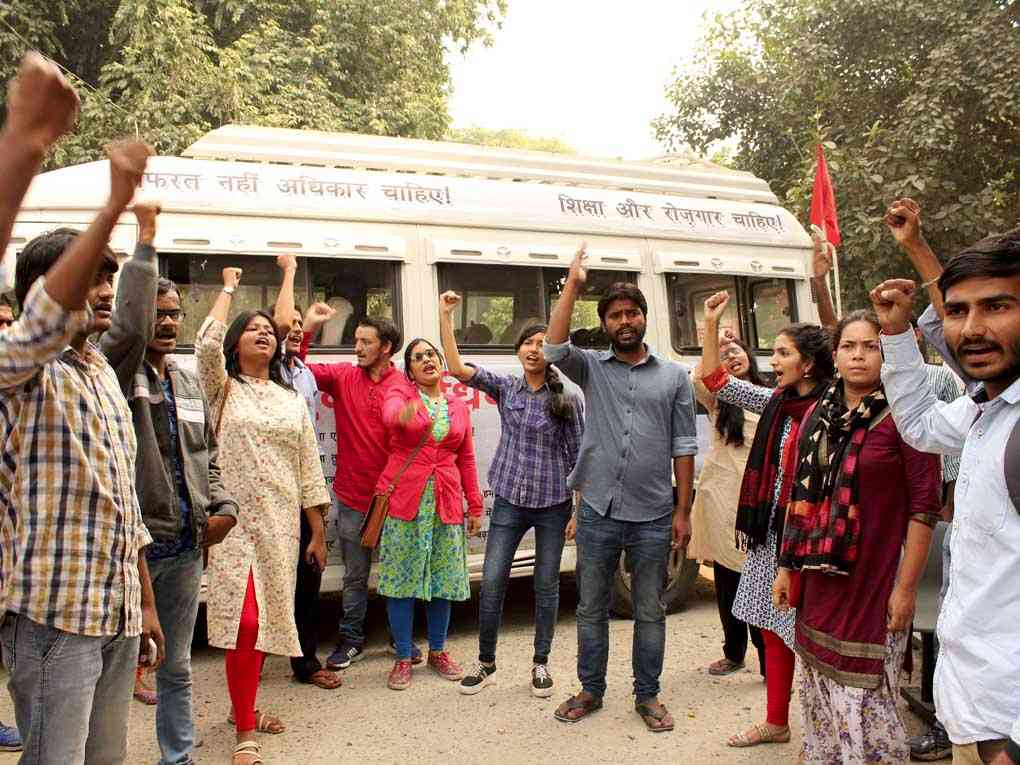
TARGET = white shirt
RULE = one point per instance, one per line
(977, 678)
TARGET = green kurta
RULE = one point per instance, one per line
(425, 558)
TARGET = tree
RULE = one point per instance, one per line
(921, 100)
(170, 70)
(508, 139)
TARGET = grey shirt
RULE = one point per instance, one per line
(637, 418)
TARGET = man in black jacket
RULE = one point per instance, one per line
(183, 501)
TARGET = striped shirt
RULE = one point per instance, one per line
(70, 525)
(946, 387)
(536, 450)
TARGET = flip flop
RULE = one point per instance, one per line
(326, 680)
(724, 667)
(649, 713)
(573, 703)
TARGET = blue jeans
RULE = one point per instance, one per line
(401, 615)
(507, 526)
(357, 564)
(175, 583)
(71, 693)
(600, 541)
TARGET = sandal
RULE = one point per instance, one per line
(763, 735)
(724, 667)
(264, 723)
(653, 718)
(248, 749)
(326, 680)
(574, 703)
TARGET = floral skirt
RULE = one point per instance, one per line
(854, 726)
(423, 558)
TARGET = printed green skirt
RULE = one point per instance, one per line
(424, 558)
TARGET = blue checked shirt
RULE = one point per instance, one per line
(536, 450)
(70, 525)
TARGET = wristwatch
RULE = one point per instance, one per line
(229, 290)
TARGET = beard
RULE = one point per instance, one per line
(633, 342)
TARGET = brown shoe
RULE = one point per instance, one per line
(447, 668)
(400, 676)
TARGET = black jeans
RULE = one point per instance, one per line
(507, 526)
(306, 596)
(734, 630)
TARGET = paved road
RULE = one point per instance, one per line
(432, 723)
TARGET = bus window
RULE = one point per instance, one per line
(354, 288)
(500, 301)
(771, 309)
(687, 295)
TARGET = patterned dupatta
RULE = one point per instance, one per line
(823, 526)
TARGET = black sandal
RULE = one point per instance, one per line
(648, 713)
(573, 703)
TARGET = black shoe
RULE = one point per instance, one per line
(477, 679)
(541, 681)
(344, 655)
(931, 746)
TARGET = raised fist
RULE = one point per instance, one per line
(231, 277)
(893, 300)
(127, 166)
(448, 301)
(286, 262)
(145, 214)
(715, 305)
(41, 105)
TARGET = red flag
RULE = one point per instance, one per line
(823, 201)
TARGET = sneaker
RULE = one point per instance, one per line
(541, 681)
(416, 657)
(10, 739)
(400, 676)
(477, 679)
(931, 746)
(344, 655)
(447, 668)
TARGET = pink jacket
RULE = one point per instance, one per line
(451, 461)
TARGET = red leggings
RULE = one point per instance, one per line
(779, 661)
(244, 663)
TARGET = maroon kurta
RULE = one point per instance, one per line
(841, 623)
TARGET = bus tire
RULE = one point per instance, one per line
(681, 575)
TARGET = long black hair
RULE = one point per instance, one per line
(729, 418)
(561, 406)
(233, 337)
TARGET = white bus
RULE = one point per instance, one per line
(382, 226)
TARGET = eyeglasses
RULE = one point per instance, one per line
(420, 356)
(174, 314)
(6, 323)
(732, 353)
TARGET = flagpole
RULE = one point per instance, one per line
(835, 278)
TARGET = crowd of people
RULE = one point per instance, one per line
(125, 476)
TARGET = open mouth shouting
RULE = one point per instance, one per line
(263, 343)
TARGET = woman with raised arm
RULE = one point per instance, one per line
(270, 465)
(858, 528)
(429, 475)
(714, 514)
(802, 363)
(538, 445)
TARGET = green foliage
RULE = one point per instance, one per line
(508, 139)
(919, 100)
(170, 70)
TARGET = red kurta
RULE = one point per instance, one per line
(841, 623)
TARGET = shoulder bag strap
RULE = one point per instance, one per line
(410, 459)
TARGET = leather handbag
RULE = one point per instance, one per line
(379, 507)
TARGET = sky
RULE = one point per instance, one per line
(590, 72)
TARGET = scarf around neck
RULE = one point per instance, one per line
(755, 515)
(823, 524)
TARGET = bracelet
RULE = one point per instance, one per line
(927, 284)
(229, 290)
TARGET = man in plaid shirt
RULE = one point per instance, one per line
(74, 592)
